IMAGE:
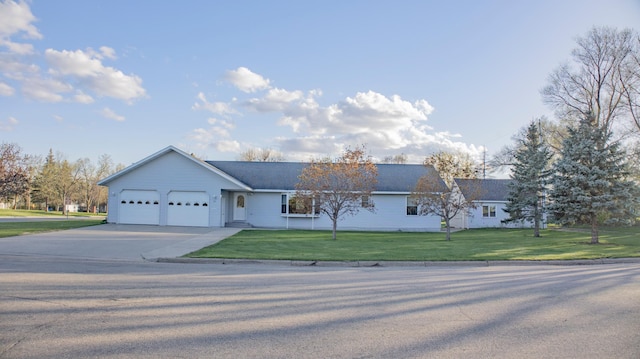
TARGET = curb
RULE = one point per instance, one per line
(365, 264)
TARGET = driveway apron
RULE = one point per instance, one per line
(120, 242)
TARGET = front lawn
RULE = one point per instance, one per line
(10, 229)
(469, 245)
(39, 213)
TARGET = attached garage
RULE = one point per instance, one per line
(186, 208)
(139, 207)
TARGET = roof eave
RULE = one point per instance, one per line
(162, 152)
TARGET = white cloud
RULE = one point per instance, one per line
(275, 100)
(82, 97)
(108, 52)
(110, 114)
(45, 90)
(386, 125)
(6, 90)
(227, 146)
(215, 137)
(222, 123)
(8, 125)
(87, 70)
(219, 108)
(246, 80)
(16, 18)
(12, 68)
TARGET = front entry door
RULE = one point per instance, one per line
(239, 207)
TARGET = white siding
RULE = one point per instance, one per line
(263, 210)
(170, 172)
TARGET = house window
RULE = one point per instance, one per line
(366, 202)
(290, 204)
(488, 211)
(412, 207)
(299, 205)
(283, 204)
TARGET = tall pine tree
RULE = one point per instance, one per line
(530, 174)
(590, 180)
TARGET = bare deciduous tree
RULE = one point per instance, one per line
(552, 135)
(433, 197)
(89, 175)
(601, 83)
(452, 165)
(397, 159)
(15, 179)
(337, 187)
(261, 155)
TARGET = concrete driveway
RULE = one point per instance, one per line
(116, 242)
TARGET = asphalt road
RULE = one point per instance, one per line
(73, 307)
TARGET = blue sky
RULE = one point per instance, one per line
(214, 78)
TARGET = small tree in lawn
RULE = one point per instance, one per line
(530, 173)
(590, 182)
(433, 197)
(337, 187)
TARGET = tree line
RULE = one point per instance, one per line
(53, 182)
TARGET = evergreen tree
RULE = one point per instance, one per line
(590, 180)
(530, 173)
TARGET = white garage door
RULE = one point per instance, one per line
(188, 209)
(139, 207)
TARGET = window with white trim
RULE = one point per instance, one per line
(292, 205)
(488, 211)
(412, 206)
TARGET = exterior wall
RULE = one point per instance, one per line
(264, 210)
(474, 218)
(170, 172)
(173, 172)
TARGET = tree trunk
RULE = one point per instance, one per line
(536, 224)
(447, 224)
(594, 229)
(335, 227)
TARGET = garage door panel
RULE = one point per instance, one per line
(139, 207)
(188, 209)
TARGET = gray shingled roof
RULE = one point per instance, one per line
(492, 189)
(284, 175)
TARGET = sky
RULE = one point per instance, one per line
(305, 78)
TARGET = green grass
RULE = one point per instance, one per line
(469, 245)
(11, 229)
(38, 213)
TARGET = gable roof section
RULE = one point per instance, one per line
(399, 178)
(284, 175)
(164, 151)
(491, 189)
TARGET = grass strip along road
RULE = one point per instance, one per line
(468, 245)
(10, 229)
